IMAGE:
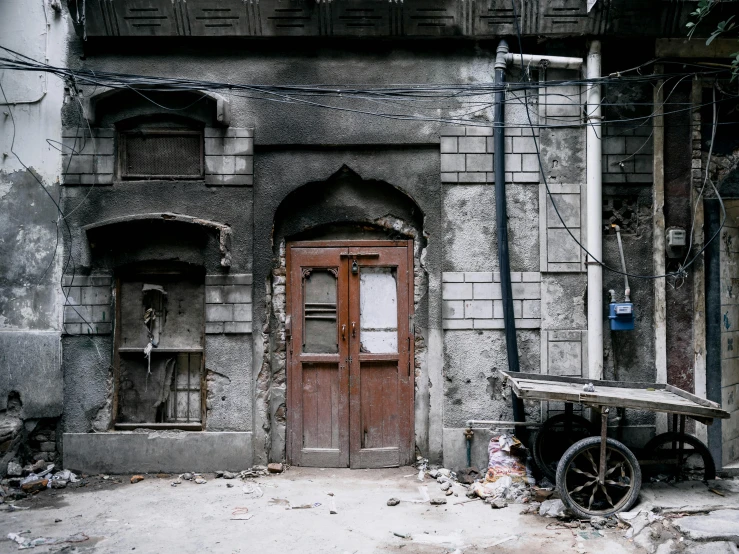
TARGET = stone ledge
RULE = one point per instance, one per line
(157, 451)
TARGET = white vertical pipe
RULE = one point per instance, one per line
(594, 194)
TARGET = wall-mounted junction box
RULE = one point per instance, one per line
(675, 242)
(621, 315)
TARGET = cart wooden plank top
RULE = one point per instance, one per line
(656, 397)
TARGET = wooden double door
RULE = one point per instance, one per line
(350, 353)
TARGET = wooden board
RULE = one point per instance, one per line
(646, 396)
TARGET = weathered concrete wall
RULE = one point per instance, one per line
(30, 230)
(155, 451)
(229, 385)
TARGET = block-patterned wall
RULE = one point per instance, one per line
(88, 159)
(88, 306)
(627, 153)
(91, 159)
(229, 156)
(467, 156)
(472, 300)
(228, 304)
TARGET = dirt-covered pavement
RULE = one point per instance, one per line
(154, 516)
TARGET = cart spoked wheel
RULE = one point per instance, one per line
(579, 486)
(663, 455)
(556, 435)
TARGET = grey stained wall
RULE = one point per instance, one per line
(31, 398)
(445, 172)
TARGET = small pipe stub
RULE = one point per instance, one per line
(469, 434)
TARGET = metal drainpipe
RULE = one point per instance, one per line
(501, 218)
(594, 216)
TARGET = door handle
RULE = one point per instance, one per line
(354, 330)
(343, 332)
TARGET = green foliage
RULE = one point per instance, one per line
(699, 14)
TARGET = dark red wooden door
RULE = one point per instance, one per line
(350, 353)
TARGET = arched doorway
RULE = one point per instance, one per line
(350, 250)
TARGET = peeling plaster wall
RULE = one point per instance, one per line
(30, 310)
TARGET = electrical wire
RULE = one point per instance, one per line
(681, 271)
(417, 96)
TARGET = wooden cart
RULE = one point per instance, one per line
(597, 475)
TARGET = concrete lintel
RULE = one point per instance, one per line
(696, 48)
(89, 103)
(157, 451)
(223, 229)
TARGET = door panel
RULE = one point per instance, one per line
(380, 373)
(350, 392)
(318, 417)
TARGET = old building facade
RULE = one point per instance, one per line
(279, 272)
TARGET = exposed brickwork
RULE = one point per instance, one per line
(472, 300)
(228, 304)
(88, 307)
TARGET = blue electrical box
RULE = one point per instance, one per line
(621, 315)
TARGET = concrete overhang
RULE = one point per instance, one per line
(224, 231)
(90, 102)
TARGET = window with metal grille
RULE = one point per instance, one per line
(161, 154)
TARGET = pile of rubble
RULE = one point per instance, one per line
(33, 478)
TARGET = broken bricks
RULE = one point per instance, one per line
(275, 467)
(35, 485)
(136, 478)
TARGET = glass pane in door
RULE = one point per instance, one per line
(378, 310)
(320, 334)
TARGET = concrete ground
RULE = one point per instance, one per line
(152, 516)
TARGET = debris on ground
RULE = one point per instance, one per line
(24, 542)
(241, 513)
(507, 458)
(422, 464)
(468, 475)
(553, 508)
(252, 490)
(332, 504)
(531, 508)
(256, 471)
(275, 467)
(136, 479)
(34, 486)
(438, 501)
(14, 469)
(200, 481)
(393, 502)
